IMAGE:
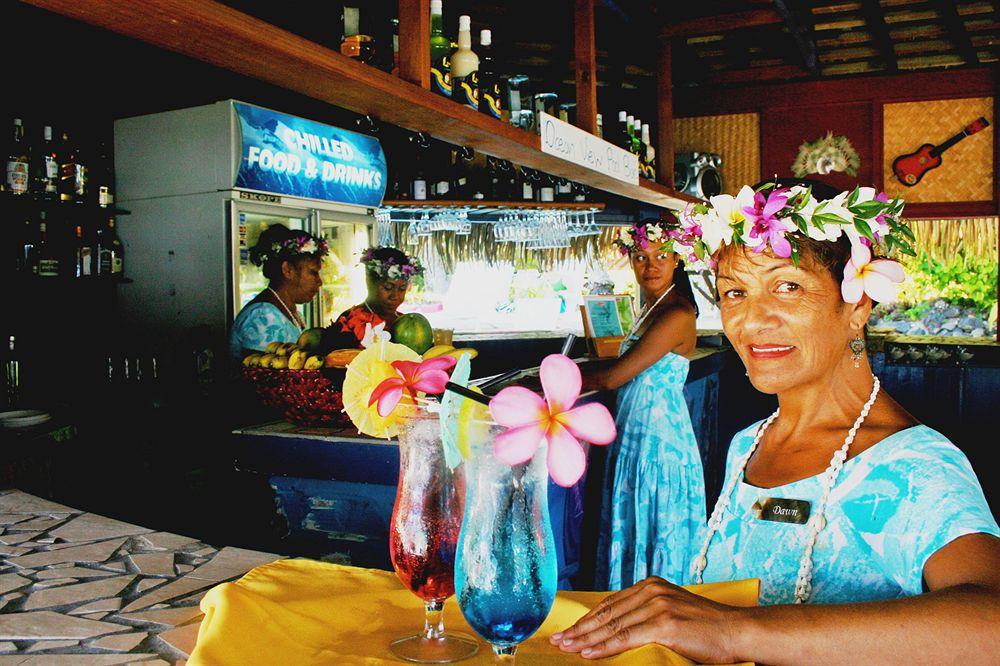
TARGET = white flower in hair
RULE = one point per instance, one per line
(826, 232)
(654, 232)
(308, 247)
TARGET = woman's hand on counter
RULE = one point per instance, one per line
(654, 611)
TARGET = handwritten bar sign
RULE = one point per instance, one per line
(583, 148)
(289, 155)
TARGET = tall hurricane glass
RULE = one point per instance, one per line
(423, 536)
(506, 571)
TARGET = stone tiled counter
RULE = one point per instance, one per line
(78, 588)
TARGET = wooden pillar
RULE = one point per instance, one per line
(586, 65)
(664, 114)
(415, 42)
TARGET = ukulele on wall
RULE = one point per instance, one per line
(910, 168)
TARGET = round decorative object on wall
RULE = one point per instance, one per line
(698, 174)
(825, 155)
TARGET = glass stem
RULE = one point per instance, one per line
(433, 619)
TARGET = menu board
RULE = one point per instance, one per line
(609, 316)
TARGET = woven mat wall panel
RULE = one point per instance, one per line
(966, 171)
(736, 137)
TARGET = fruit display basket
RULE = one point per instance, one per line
(305, 397)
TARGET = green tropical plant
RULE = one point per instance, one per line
(960, 280)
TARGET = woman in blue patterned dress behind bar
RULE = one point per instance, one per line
(291, 262)
(654, 493)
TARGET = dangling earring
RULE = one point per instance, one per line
(857, 349)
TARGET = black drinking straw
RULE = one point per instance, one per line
(467, 393)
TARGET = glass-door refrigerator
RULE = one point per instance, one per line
(203, 183)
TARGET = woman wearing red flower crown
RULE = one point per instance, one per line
(389, 273)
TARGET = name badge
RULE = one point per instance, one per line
(781, 510)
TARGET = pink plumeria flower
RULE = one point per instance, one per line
(530, 419)
(425, 377)
(766, 227)
(876, 278)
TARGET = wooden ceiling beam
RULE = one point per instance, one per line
(956, 31)
(802, 36)
(711, 25)
(880, 33)
(757, 75)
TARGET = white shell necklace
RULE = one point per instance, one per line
(803, 584)
(292, 314)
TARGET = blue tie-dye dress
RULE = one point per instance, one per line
(654, 505)
(894, 505)
(257, 325)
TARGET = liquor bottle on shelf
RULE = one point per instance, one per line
(72, 172)
(564, 190)
(600, 126)
(45, 167)
(546, 190)
(637, 137)
(508, 181)
(46, 262)
(440, 53)
(580, 192)
(462, 176)
(356, 44)
(464, 64)
(29, 239)
(85, 251)
(12, 374)
(16, 182)
(101, 177)
(629, 126)
(648, 153)
(493, 178)
(527, 180)
(489, 81)
(623, 140)
(443, 161)
(110, 252)
(419, 147)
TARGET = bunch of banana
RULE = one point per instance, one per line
(281, 348)
(448, 350)
(285, 355)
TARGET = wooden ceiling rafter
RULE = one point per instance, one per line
(880, 33)
(956, 31)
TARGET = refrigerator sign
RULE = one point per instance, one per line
(298, 157)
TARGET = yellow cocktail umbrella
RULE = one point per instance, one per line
(369, 369)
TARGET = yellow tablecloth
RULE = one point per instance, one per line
(297, 612)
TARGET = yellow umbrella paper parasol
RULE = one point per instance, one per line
(369, 369)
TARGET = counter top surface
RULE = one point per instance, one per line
(76, 587)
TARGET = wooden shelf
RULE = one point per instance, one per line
(476, 204)
(224, 37)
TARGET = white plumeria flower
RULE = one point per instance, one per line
(716, 229)
(654, 232)
(308, 247)
(374, 335)
(829, 232)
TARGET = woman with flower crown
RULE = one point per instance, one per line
(388, 274)
(291, 262)
(654, 505)
(869, 531)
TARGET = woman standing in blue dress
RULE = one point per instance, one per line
(654, 505)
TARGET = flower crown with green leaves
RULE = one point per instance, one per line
(390, 269)
(301, 243)
(774, 218)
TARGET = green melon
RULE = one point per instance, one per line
(414, 331)
(310, 339)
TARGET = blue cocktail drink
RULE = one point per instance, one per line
(505, 572)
